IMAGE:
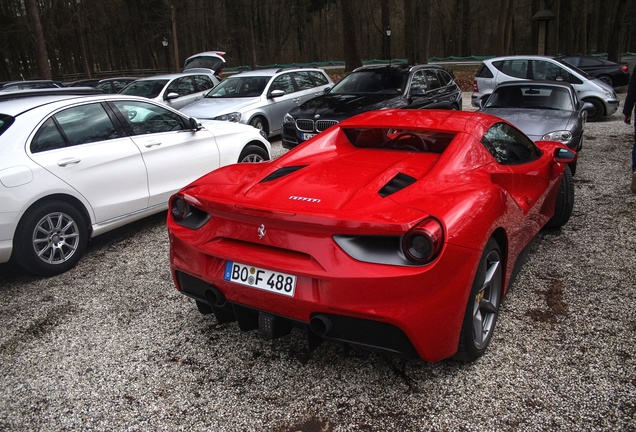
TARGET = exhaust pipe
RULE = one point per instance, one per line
(214, 297)
(320, 325)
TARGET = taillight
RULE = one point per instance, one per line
(422, 244)
(475, 88)
(186, 214)
(624, 68)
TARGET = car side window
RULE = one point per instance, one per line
(284, 83)
(74, 126)
(319, 79)
(516, 68)
(303, 81)
(432, 80)
(484, 71)
(444, 78)
(145, 118)
(201, 83)
(552, 72)
(509, 146)
(418, 84)
(182, 86)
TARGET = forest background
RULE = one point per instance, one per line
(72, 39)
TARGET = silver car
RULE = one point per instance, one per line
(174, 90)
(260, 98)
(513, 68)
(543, 110)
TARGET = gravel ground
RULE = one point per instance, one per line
(111, 345)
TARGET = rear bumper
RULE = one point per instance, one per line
(349, 331)
(403, 311)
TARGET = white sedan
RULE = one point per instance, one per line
(73, 167)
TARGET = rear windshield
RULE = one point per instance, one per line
(207, 62)
(531, 96)
(5, 122)
(422, 141)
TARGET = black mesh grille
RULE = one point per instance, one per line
(321, 125)
(305, 125)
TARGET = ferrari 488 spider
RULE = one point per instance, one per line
(396, 231)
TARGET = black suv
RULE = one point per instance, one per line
(370, 88)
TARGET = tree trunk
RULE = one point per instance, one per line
(385, 24)
(42, 58)
(466, 34)
(613, 49)
(350, 41)
(423, 31)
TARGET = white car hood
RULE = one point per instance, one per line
(208, 108)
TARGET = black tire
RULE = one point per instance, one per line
(573, 168)
(50, 239)
(606, 79)
(482, 308)
(253, 153)
(597, 113)
(261, 124)
(564, 201)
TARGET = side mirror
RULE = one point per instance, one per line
(562, 155)
(276, 93)
(171, 95)
(194, 124)
(327, 90)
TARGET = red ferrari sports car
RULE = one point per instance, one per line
(396, 231)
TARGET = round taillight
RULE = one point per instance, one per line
(423, 243)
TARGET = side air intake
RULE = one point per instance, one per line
(396, 184)
(282, 172)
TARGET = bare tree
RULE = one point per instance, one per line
(350, 39)
(41, 56)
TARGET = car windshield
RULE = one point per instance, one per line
(377, 81)
(239, 87)
(399, 139)
(531, 97)
(145, 88)
(5, 122)
(574, 68)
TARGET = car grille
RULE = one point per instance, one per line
(321, 125)
(306, 125)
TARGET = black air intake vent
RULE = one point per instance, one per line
(396, 184)
(282, 173)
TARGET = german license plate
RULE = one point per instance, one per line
(307, 136)
(268, 280)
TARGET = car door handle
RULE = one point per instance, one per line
(152, 144)
(68, 161)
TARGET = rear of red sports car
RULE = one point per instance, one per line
(370, 235)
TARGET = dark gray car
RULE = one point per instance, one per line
(543, 110)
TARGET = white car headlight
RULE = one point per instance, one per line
(288, 119)
(561, 136)
(231, 117)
